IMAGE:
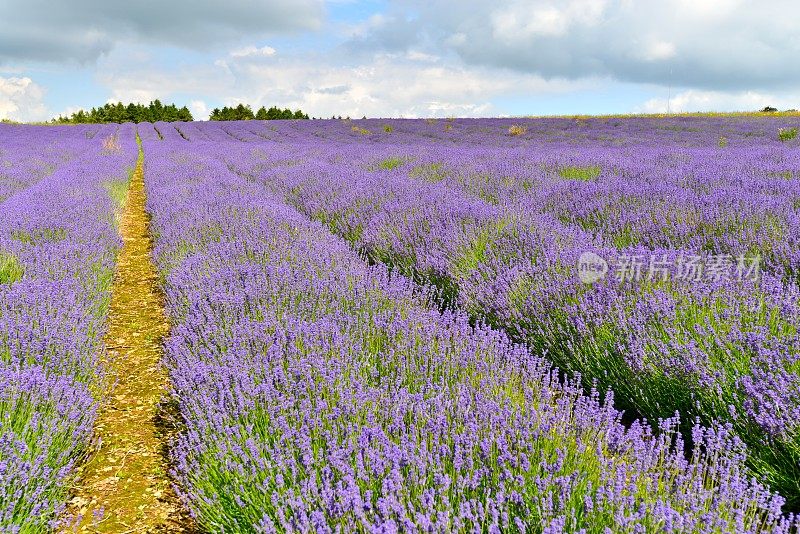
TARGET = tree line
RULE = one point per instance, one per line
(243, 112)
(770, 109)
(155, 111)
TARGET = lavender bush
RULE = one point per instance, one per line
(28, 153)
(320, 394)
(60, 233)
(500, 232)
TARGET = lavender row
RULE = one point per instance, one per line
(321, 394)
(57, 251)
(541, 134)
(743, 197)
(735, 188)
(28, 154)
(719, 200)
(723, 349)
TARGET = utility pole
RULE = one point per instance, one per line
(669, 90)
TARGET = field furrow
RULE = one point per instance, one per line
(125, 485)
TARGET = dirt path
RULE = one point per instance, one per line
(124, 487)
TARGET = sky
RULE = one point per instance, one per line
(401, 58)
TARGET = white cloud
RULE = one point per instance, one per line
(21, 100)
(415, 58)
(697, 100)
(386, 85)
(523, 20)
(199, 110)
(709, 8)
(383, 85)
(415, 55)
(140, 95)
(456, 39)
(252, 51)
(70, 110)
(708, 44)
(659, 51)
(143, 83)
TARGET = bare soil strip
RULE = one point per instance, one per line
(125, 485)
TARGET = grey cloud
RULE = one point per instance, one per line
(712, 44)
(82, 30)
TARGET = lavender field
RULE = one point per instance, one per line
(477, 325)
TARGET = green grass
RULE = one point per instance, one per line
(786, 175)
(787, 134)
(117, 190)
(11, 269)
(430, 172)
(39, 235)
(391, 163)
(583, 174)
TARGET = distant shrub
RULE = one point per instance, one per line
(769, 109)
(388, 128)
(10, 269)
(787, 134)
(517, 129)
